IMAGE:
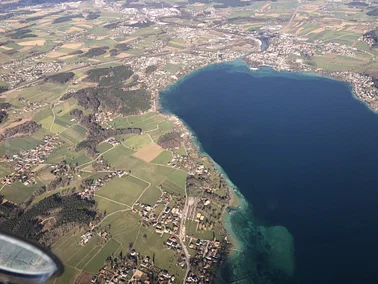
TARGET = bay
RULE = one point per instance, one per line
(302, 151)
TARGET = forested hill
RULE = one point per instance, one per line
(50, 218)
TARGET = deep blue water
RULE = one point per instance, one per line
(304, 153)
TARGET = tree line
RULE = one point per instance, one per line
(96, 133)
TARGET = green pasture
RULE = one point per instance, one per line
(163, 158)
(98, 260)
(137, 141)
(18, 192)
(125, 190)
(150, 196)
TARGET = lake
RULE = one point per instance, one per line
(303, 152)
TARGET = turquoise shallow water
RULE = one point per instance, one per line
(302, 151)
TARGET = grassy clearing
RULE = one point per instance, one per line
(10, 147)
(64, 108)
(163, 128)
(120, 158)
(42, 93)
(154, 174)
(68, 276)
(335, 62)
(150, 124)
(87, 258)
(101, 148)
(83, 251)
(98, 261)
(178, 177)
(39, 116)
(66, 246)
(181, 150)
(171, 187)
(151, 195)
(173, 68)
(5, 169)
(77, 157)
(129, 121)
(59, 154)
(108, 206)
(18, 192)
(45, 175)
(137, 141)
(124, 228)
(47, 121)
(164, 158)
(125, 190)
(74, 134)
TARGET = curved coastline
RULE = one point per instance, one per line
(237, 202)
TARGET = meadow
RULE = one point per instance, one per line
(124, 190)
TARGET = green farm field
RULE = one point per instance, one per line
(18, 192)
(125, 190)
(99, 259)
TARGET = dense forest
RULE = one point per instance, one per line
(110, 93)
(109, 76)
(50, 218)
(60, 78)
(113, 99)
(3, 89)
(119, 48)
(150, 69)
(7, 209)
(373, 12)
(66, 18)
(357, 4)
(93, 16)
(28, 128)
(111, 25)
(22, 33)
(3, 116)
(96, 51)
(170, 140)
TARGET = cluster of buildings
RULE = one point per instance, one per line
(286, 52)
(17, 74)
(368, 39)
(185, 61)
(167, 221)
(132, 268)
(120, 270)
(206, 257)
(85, 238)
(363, 86)
(30, 106)
(26, 159)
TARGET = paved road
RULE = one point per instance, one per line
(293, 16)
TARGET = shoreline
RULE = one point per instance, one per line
(235, 200)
